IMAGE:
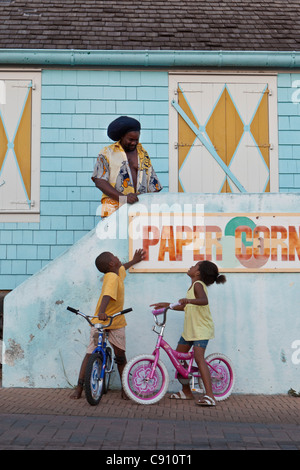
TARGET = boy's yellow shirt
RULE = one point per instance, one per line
(113, 285)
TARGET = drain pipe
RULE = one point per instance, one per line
(147, 58)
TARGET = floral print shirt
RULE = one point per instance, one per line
(112, 166)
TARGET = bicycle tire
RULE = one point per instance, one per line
(140, 390)
(222, 387)
(108, 369)
(93, 383)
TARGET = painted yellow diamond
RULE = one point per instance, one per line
(225, 129)
(3, 143)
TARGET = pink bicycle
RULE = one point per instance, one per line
(145, 377)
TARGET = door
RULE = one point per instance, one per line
(222, 136)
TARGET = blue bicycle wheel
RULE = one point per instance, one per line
(94, 383)
(109, 366)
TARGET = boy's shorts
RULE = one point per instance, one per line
(201, 343)
(115, 337)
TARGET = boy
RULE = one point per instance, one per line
(110, 301)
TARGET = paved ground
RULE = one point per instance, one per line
(49, 419)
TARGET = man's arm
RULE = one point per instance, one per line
(138, 256)
(109, 191)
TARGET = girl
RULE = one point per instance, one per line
(198, 324)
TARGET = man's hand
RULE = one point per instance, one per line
(132, 198)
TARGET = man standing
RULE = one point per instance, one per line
(124, 169)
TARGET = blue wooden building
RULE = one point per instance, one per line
(216, 87)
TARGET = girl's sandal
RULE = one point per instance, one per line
(206, 401)
(180, 396)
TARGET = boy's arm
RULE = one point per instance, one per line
(103, 306)
(138, 256)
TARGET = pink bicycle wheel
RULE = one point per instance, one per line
(222, 375)
(137, 383)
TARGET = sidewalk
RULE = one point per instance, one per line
(49, 419)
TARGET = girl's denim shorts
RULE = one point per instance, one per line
(201, 343)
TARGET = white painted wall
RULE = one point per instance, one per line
(256, 314)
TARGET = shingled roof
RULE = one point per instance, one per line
(239, 25)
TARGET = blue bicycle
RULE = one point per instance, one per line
(100, 365)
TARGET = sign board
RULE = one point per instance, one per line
(252, 242)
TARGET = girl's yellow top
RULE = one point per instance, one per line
(198, 322)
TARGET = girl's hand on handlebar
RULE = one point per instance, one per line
(160, 305)
(183, 302)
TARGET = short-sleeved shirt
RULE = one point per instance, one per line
(112, 166)
(113, 286)
(198, 322)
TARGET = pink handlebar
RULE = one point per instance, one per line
(158, 311)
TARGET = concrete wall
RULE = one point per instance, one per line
(256, 314)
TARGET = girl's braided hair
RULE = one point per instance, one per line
(210, 273)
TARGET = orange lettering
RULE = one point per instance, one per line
(243, 252)
(180, 241)
(167, 235)
(261, 245)
(294, 243)
(278, 242)
(198, 243)
(147, 241)
(210, 242)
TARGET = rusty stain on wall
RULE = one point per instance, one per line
(13, 353)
